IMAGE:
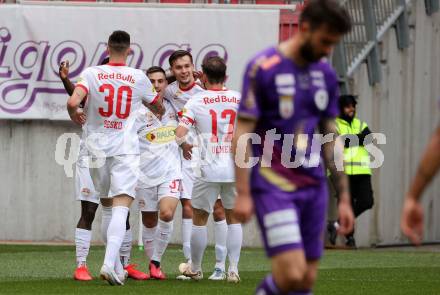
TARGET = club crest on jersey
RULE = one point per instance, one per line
(177, 94)
(321, 99)
(285, 84)
(286, 106)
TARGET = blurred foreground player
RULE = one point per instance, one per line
(412, 215)
(114, 93)
(288, 92)
(85, 192)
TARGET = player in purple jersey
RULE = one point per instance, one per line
(288, 94)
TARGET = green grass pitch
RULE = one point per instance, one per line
(48, 270)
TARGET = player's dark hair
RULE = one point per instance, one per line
(105, 61)
(326, 12)
(214, 68)
(119, 41)
(178, 54)
(156, 69)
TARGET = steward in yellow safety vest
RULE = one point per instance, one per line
(356, 162)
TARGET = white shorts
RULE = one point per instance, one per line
(205, 194)
(84, 188)
(187, 182)
(149, 198)
(118, 175)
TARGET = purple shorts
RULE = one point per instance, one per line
(292, 220)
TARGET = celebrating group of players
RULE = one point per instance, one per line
(138, 143)
(130, 122)
(157, 143)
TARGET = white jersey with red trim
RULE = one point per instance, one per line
(160, 157)
(115, 93)
(179, 96)
(213, 114)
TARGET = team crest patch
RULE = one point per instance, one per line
(285, 84)
(286, 106)
(177, 94)
(85, 191)
(321, 99)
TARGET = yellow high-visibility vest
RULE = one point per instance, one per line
(356, 159)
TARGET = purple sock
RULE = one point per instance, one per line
(267, 287)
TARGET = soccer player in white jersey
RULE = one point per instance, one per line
(85, 192)
(213, 115)
(159, 186)
(178, 93)
(114, 94)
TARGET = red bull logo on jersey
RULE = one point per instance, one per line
(116, 76)
(221, 99)
(162, 135)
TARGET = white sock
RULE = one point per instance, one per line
(199, 241)
(220, 235)
(234, 241)
(148, 238)
(186, 237)
(119, 268)
(126, 248)
(105, 221)
(82, 244)
(161, 239)
(115, 235)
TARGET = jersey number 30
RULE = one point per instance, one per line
(122, 91)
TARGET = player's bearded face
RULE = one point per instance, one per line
(318, 43)
(308, 52)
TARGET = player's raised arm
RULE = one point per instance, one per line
(186, 122)
(243, 203)
(63, 72)
(75, 112)
(151, 99)
(333, 153)
(412, 214)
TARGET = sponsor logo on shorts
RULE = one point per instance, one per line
(85, 191)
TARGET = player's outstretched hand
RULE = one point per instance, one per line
(244, 208)
(346, 218)
(411, 222)
(197, 74)
(187, 150)
(64, 70)
(78, 117)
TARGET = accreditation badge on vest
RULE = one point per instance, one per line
(286, 106)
